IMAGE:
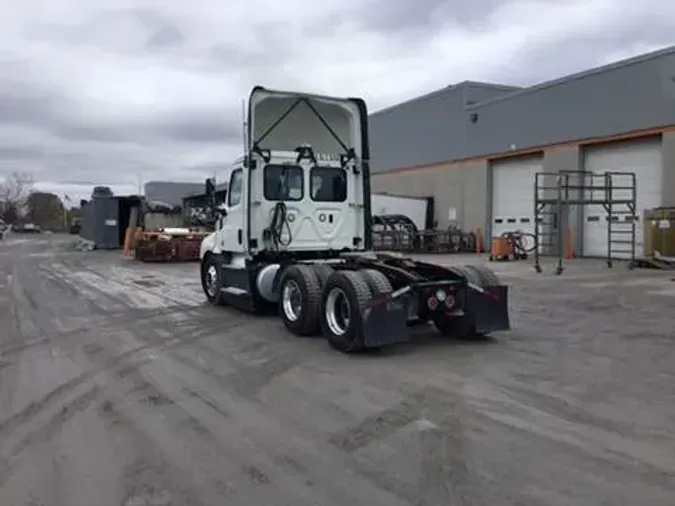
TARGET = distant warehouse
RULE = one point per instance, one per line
(476, 148)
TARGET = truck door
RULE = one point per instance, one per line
(232, 223)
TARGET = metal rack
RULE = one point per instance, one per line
(555, 193)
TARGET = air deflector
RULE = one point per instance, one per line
(283, 121)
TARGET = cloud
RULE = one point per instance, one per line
(113, 92)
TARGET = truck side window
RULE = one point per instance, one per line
(328, 184)
(284, 182)
(235, 188)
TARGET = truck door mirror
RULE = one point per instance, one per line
(221, 214)
(210, 187)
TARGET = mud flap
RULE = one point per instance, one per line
(385, 322)
(489, 308)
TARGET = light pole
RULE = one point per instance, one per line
(66, 198)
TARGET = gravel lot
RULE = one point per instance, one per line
(118, 386)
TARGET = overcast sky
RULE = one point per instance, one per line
(120, 91)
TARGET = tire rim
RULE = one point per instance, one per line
(291, 298)
(338, 311)
(211, 280)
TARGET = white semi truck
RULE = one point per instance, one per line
(294, 236)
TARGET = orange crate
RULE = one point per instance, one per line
(501, 247)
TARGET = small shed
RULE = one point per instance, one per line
(106, 218)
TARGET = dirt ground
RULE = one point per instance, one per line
(119, 386)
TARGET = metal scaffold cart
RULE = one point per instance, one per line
(557, 194)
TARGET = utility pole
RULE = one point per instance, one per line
(66, 199)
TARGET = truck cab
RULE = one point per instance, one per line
(295, 232)
(303, 186)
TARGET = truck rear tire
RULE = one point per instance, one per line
(344, 299)
(487, 276)
(376, 281)
(470, 275)
(212, 280)
(323, 272)
(457, 327)
(460, 327)
(300, 300)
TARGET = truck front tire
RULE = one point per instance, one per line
(212, 280)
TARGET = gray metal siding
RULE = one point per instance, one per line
(442, 183)
(476, 194)
(94, 227)
(462, 186)
(475, 93)
(87, 226)
(171, 192)
(668, 158)
(634, 96)
(626, 96)
(427, 130)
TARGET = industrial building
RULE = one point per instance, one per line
(476, 147)
(171, 192)
(200, 199)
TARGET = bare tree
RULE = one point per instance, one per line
(14, 192)
(45, 210)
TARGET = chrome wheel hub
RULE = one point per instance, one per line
(291, 300)
(211, 280)
(338, 311)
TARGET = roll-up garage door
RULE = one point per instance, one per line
(642, 157)
(513, 194)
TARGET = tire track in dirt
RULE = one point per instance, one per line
(145, 392)
(47, 430)
(118, 362)
(160, 473)
(142, 320)
(24, 280)
(61, 286)
(151, 390)
(124, 287)
(247, 457)
(103, 321)
(435, 419)
(246, 381)
(26, 307)
(118, 298)
(592, 460)
(16, 346)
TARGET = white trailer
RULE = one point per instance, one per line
(418, 209)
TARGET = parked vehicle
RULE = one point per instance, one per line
(26, 228)
(295, 234)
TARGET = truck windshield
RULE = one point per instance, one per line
(328, 184)
(283, 182)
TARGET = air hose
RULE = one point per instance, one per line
(279, 221)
